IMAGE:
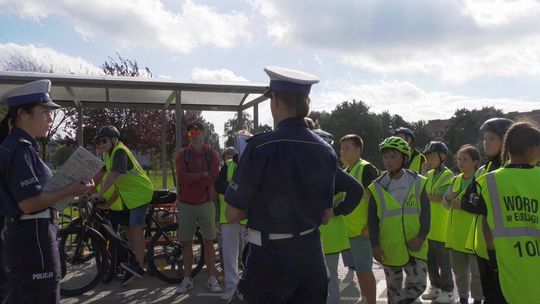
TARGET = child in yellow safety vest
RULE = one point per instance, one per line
(398, 222)
(460, 222)
(510, 197)
(493, 131)
(439, 178)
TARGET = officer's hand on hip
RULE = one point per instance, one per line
(378, 254)
(415, 244)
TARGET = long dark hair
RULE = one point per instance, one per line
(11, 118)
(520, 137)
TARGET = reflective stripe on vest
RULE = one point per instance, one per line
(134, 186)
(516, 233)
(459, 221)
(356, 221)
(393, 217)
(439, 214)
(117, 205)
(476, 241)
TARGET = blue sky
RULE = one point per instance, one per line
(420, 59)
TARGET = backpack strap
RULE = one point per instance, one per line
(207, 156)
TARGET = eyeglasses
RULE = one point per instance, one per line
(195, 132)
(101, 141)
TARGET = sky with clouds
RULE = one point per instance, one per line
(420, 59)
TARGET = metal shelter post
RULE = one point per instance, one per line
(178, 129)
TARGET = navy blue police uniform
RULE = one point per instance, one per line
(30, 249)
(285, 182)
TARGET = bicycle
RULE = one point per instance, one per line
(91, 250)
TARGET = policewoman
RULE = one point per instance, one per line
(126, 176)
(284, 185)
(30, 250)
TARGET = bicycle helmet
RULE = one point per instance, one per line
(107, 131)
(436, 146)
(327, 137)
(497, 125)
(396, 143)
(404, 131)
(230, 151)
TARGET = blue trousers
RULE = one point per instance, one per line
(32, 261)
(284, 271)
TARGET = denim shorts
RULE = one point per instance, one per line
(361, 253)
(137, 216)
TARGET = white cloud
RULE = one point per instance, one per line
(454, 40)
(143, 23)
(411, 102)
(202, 74)
(47, 59)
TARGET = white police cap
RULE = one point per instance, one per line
(287, 80)
(34, 92)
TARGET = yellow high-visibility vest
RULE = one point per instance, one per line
(134, 186)
(439, 214)
(399, 224)
(512, 197)
(356, 221)
(459, 221)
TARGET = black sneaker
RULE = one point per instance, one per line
(135, 270)
(127, 278)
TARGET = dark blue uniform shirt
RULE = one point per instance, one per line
(285, 179)
(24, 174)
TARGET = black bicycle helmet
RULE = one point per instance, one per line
(327, 137)
(107, 131)
(497, 125)
(405, 131)
(436, 146)
(196, 126)
(230, 151)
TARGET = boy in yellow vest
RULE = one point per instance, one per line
(439, 179)
(356, 222)
(334, 237)
(127, 177)
(511, 227)
(399, 220)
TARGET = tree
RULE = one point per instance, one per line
(62, 154)
(355, 117)
(61, 117)
(464, 127)
(234, 125)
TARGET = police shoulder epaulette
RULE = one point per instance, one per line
(256, 136)
(22, 140)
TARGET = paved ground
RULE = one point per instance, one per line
(152, 290)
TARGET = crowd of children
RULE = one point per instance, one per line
(418, 219)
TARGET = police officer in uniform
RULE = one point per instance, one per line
(30, 247)
(284, 185)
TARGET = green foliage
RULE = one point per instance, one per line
(61, 155)
(464, 127)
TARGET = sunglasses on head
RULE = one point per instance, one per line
(194, 132)
(102, 141)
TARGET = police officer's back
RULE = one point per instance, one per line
(284, 185)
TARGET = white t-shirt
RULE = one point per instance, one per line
(399, 188)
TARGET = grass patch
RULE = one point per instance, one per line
(156, 178)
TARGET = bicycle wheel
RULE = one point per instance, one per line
(83, 260)
(165, 258)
